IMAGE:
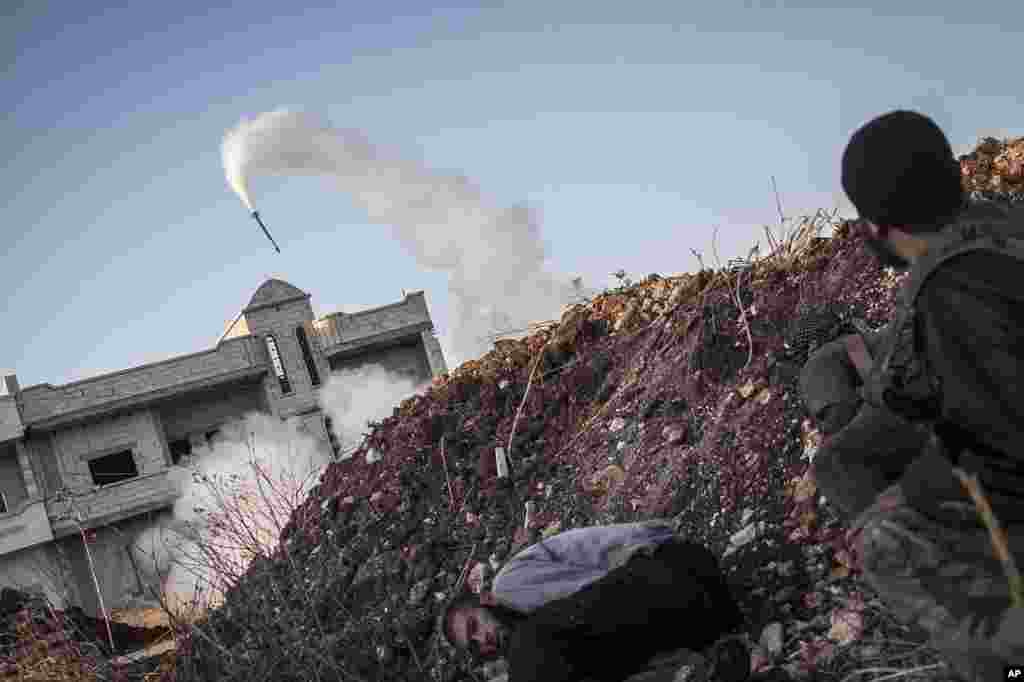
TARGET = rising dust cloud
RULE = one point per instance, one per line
(169, 552)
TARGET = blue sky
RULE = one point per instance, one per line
(632, 128)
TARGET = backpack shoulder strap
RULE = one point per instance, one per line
(1001, 232)
(1002, 235)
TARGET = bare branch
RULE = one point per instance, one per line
(778, 202)
(444, 461)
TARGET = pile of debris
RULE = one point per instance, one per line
(38, 642)
(995, 169)
(674, 397)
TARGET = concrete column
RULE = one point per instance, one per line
(31, 487)
(67, 476)
(161, 437)
(434, 355)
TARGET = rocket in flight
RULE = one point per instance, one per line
(256, 215)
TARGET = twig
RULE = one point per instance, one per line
(896, 672)
(773, 245)
(714, 246)
(526, 394)
(554, 370)
(736, 294)
(196, 628)
(465, 499)
(999, 540)
(778, 202)
(700, 259)
(531, 328)
(743, 320)
(462, 575)
(412, 648)
(444, 460)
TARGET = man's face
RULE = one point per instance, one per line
(877, 242)
(480, 631)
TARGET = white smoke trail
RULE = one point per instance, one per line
(494, 256)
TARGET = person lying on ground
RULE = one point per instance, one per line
(602, 603)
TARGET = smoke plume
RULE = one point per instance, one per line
(493, 255)
(353, 398)
(221, 488)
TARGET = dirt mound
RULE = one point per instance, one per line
(674, 397)
(38, 642)
(995, 169)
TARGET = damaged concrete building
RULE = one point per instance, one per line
(94, 455)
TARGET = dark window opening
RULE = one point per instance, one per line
(332, 437)
(180, 448)
(307, 355)
(114, 468)
(275, 360)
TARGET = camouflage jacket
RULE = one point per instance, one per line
(953, 356)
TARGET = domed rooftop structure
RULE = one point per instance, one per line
(274, 292)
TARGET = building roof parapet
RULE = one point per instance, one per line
(137, 368)
(384, 338)
(410, 299)
(47, 407)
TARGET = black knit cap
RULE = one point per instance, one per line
(899, 169)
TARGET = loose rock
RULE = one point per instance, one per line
(771, 638)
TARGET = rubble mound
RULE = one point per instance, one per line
(674, 397)
(38, 642)
(995, 169)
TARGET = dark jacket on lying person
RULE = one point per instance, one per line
(608, 630)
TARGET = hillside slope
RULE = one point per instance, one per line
(674, 397)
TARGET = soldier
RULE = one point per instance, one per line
(945, 389)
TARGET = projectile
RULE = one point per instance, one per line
(256, 215)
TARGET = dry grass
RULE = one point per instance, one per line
(794, 239)
(896, 673)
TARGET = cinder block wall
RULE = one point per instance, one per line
(12, 483)
(44, 461)
(137, 431)
(197, 414)
(119, 582)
